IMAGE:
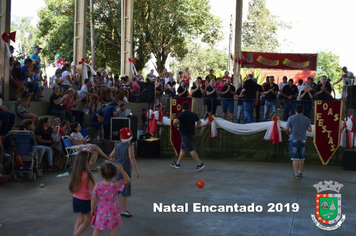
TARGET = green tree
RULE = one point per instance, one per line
(259, 31)
(25, 36)
(329, 65)
(161, 27)
(107, 24)
(200, 60)
(56, 29)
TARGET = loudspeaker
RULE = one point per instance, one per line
(349, 159)
(133, 127)
(351, 97)
(148, 93)
(148, 148)
(118, 123)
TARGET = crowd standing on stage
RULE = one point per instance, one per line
(102, 93)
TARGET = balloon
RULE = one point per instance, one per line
(200, 183)
(57, 56)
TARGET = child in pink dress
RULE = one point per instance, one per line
(106, 215)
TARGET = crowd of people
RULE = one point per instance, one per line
(108, 90)
(250, 96)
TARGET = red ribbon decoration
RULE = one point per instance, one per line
(237, 60)
(132, 61)
(82, 61)
(62, 61)
(6, 37)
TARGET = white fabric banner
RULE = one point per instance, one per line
(241, 129)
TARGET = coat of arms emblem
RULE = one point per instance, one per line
(249, 57)
(328, 206)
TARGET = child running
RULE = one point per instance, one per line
(106, 215)
(81, 184)
(124, 156)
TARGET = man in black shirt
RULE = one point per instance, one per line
(323, 90)
(56, 105)
(250, 98)
(227, 93)
(270, 91)
(290, 94)
(197, 93)
(186, 120)
(307, 97)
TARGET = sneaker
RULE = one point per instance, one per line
(125, 100)
(200, 167)
(295, 176)
(52, 168)
(300, 174)
(175, 165)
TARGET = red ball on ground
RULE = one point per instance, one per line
(200, 183)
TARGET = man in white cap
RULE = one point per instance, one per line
(349, 74)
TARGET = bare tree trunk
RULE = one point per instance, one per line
(92, 35)
(238, 29)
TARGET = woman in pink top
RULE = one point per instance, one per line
(70, 104)
(81, 184)
(135, 86)
(219, 85)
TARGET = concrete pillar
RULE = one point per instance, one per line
(5, 13)
(126, 36)
(238, 29)
(79, 48)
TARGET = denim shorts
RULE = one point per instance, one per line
(297, 150)
(20, 114)
(81, 206)
(65, 87)
(228, 104)
(187, 143)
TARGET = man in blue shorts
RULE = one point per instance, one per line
(186, 121)
(296, 127)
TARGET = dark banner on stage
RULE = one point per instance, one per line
(327, 128)
(284, 61)
(176, 108)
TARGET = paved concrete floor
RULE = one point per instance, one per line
(28, 209)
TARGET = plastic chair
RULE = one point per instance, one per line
(71, 151)
(84, 132)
